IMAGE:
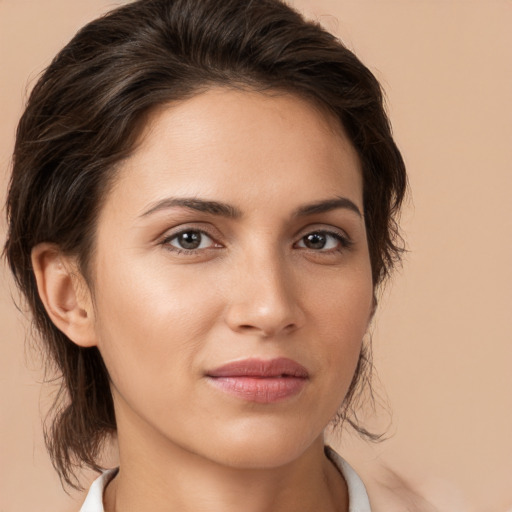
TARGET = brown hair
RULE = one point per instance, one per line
(83, 117)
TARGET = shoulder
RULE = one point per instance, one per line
(358, 497)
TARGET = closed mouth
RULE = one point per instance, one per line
(261, 369)
(260, 381)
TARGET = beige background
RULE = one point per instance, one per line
(443, 341)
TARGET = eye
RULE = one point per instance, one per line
(190, 240)
(323, 241)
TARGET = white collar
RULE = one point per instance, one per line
(358, 498)
(94, 500)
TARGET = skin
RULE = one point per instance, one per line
(254, 288)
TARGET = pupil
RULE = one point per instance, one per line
(190, 240)
(315, 241)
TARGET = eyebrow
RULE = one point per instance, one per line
(328, 205)
(200, 205)
(229, 211)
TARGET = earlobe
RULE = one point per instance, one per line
(64, 294)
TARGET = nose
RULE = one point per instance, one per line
(264, 301)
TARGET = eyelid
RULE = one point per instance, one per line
(341, 235)
(324, 228)
(202, 227)
(345, 241)
(173, 233)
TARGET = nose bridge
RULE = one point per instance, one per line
(265, 299)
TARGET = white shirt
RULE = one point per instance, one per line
(357, 496)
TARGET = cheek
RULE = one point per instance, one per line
(151, 322)
(343, 310)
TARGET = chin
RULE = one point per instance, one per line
(262, 446)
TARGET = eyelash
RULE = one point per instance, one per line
(177, 250)
(344, 242)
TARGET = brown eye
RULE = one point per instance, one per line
(315, 241)
(321, 240)
(190, 240)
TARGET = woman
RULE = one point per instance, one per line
(201, 209)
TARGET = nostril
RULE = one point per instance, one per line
(265, 331)
(266, 319)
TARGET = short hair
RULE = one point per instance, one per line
(85, 112)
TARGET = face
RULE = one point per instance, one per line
(232, 281)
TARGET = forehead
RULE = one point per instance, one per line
(241, 145)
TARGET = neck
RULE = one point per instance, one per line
(176, 479)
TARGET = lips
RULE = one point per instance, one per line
(258, 368)
(261, 381)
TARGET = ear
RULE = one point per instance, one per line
(64, 293)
